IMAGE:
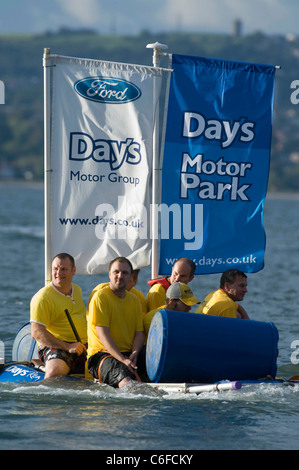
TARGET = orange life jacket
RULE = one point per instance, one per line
(160, 280)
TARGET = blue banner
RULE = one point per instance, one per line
(216, 164)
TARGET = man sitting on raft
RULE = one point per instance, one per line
(224, 301)
(179, 297)
(58, 346)
(115, 330)
(182, 271)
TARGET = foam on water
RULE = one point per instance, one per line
(23, 231)
(85, 389)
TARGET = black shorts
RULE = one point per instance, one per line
(76, 363)
(113, 371)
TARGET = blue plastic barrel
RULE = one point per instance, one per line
(190, 347)
(19, 373)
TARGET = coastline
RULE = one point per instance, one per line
(283, 195)
(40, 184)
(22, 183)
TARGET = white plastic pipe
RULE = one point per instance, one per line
(196, 388)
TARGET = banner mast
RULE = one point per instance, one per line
(47, 170)
(157, 47)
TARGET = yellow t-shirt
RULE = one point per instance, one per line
(48, 307)
(123, 317)
(155, 297)
(141, 297)
(133, 291)
(218, 303)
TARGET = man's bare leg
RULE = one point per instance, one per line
(56, 367)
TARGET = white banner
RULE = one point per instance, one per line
(101, 151)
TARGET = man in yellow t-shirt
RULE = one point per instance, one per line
(182, 271)
(115, 329)
(179, 297)
(130, 287)
(224, 301)
(58, 346)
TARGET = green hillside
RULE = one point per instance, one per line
(21, 123)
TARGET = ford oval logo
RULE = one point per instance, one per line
(107, 90)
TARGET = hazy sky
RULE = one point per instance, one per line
(133, 16)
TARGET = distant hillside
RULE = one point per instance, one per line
(21, 123)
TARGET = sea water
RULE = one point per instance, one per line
(56, 415)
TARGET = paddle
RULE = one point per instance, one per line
(294, 378)
(73, 327)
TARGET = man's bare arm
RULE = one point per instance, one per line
(43, 336)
